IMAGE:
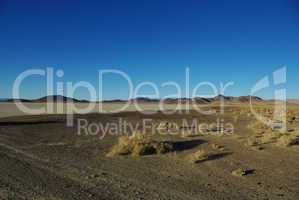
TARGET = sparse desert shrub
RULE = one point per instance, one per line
(164, 147)
(123, 147)
(139, 145)
(141, 149)
(242, 172)
(198, 156)
(239, 172)
(270, 137)
(287, 140)
(253, 141)
(259, 128)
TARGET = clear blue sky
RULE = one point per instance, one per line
(155, 41)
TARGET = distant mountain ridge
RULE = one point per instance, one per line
(202, 100)
(199, 100)
(58, 98)
(51, 98)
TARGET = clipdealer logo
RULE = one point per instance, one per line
(278, 80)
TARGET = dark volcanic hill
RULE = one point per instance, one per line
(56, 98)
(52, 98)
(247, 98)
(237, 99)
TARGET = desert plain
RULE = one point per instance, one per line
(42, 158)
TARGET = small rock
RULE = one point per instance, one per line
(241, 172)
(258, 148)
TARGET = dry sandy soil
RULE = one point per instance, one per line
(42, 158)
(10, 109)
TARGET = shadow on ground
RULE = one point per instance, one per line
(187, 145)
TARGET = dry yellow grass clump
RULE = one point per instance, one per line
(139, 145)
(239, 172)
(287, 140)
(280, 139)
(259, 128)
(253, 141)
(270, 137)
(242, 172)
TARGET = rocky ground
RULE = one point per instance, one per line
(42, 158)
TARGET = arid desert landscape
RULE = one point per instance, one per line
(149, 100)
(42, 158)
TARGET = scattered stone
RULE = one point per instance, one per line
(217, 147)
(241, 172)
(258, 148)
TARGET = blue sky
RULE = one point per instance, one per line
(220, 41)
